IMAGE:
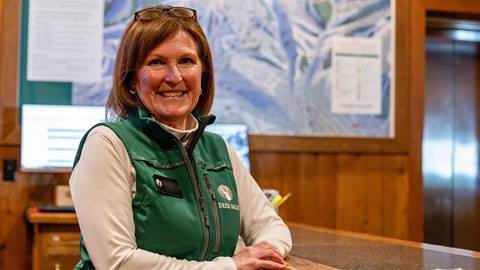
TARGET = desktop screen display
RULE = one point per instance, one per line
(237, 136)
(50, 135)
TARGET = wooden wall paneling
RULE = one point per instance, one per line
(358, 188)
(14, 237)
(362, 193)
(15, 197)
(372, 195)
(271, 171)
(309, 177)
(317, 179)
(397, 205)
(313, 189)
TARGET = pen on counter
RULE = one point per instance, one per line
(277, 202)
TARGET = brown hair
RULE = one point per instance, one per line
(137, 41)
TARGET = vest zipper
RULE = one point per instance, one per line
(215, 214)
(206, 232)
(198, 195)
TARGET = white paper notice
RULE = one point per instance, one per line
(65, 40)
(356, 75)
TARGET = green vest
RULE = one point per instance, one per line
(186, 204)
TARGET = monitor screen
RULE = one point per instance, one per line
(51, 134)
(236, 134)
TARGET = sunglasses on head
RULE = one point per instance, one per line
(152, 13)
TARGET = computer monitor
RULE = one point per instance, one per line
(236, 134)
(50, 135)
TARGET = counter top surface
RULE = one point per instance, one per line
(328, 249)
(345, 250)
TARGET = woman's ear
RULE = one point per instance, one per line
(133, 84)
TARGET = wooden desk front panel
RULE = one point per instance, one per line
(56, 246)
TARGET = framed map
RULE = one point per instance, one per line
(273, 62)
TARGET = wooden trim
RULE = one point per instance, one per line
(462, 6)
(299, 144)
(2, 3)
(2, 10)
(417, 78)
(33, 216)
(9, 30)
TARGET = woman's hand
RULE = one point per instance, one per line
(259, 256)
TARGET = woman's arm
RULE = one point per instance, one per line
(258, 220)
(101, 185)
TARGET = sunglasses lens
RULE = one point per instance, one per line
(182, 12)
(148, 15)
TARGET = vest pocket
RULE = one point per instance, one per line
(171, 225)
(167, 186)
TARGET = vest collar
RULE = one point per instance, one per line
(142, 119)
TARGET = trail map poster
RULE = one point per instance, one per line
(273, 61)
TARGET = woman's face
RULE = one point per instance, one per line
(169, 81)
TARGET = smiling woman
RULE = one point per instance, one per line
(139, 47)
(151, 188)
(169, 82)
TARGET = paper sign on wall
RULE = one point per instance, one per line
(356, 75)
(65, 40)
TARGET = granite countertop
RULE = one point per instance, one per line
(354, 251)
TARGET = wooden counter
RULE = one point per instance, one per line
(346, 250)
(56, 240)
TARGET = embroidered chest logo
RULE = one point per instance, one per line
(225, 192)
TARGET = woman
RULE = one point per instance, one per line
(151, 189)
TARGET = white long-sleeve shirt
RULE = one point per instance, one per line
(103, 185)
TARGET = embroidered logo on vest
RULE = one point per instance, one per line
(225, 192)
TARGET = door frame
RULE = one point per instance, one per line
(418, 15)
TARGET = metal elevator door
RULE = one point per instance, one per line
(451, 134)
